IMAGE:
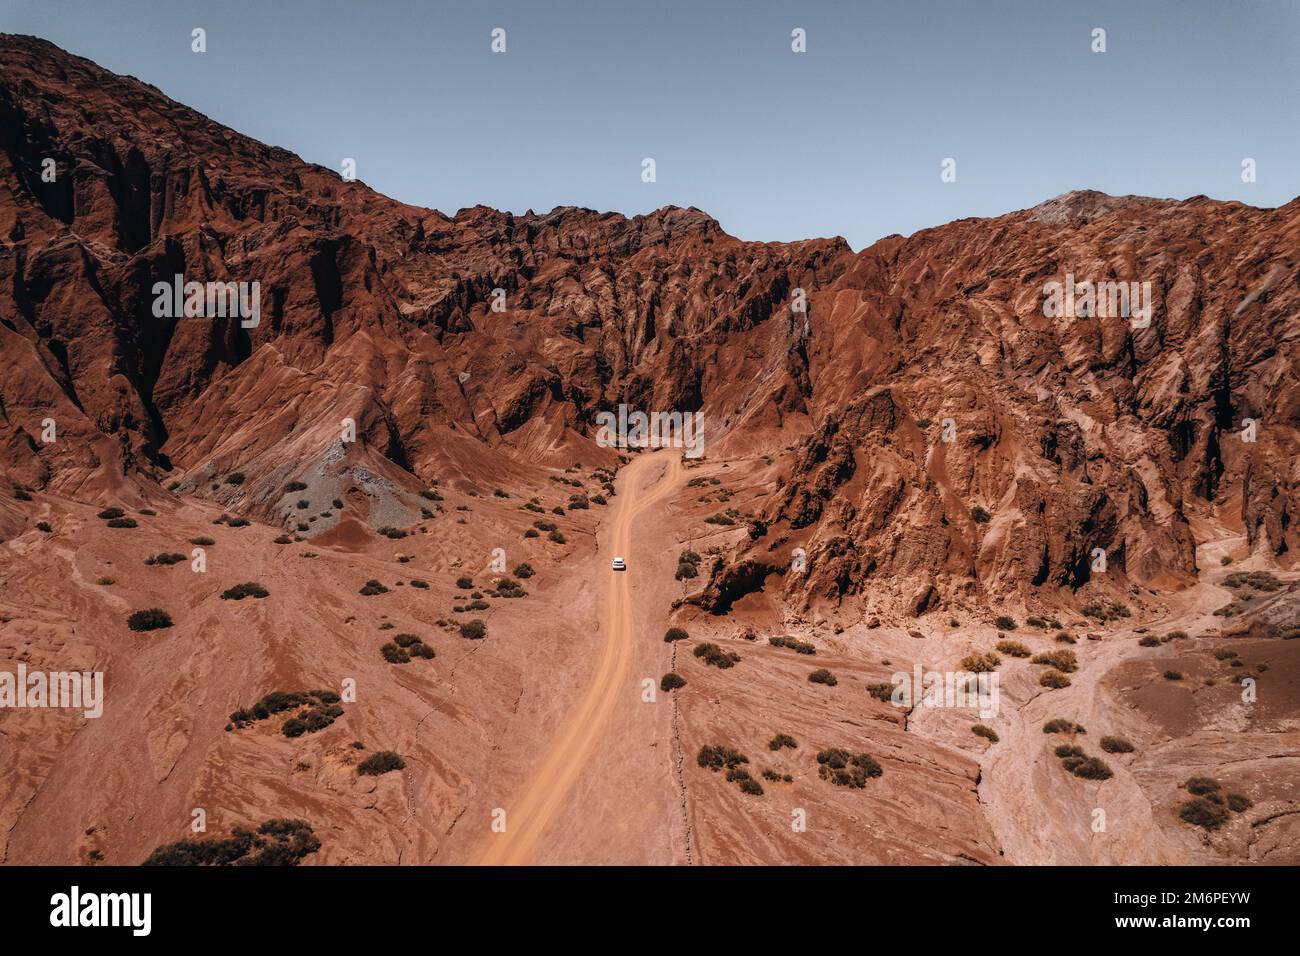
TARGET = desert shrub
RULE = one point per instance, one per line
(979, 515)
(1117, 745)
(686, 571)
(474, 630)
(796, 645)
(530, 533)
(235, 478)
(303, 504)
(405, 640)
(675, 634)
(1065, 637)
(980, 663)
(1091, 768)
(525, 571)
(164, 558)
(110, 513)
(464, 583)
(121, 523)
(1255, 580)
(1203, 813)
(541, 525)
(22, 494)
(1239, 802)
(883, 692)
(373, 587)
(1005, 623)
(499, 493)
(275, 843)
(236, 522)
(1064, 661)
(1106, 610)
(394, 654)
(557, 537)
(720, 519)
(845, 769)
(150, 619)
(719, 757)
(712, 654)
(203, 541)
(1173, 675)
(241, 591)
(579, 502)
(1148, 640)
(393, 533)
(1177, 635)
(782, 740)
(1223, 654)
(296, 486)
(384, 761)
(1013, 649)
(106, 581)
(822, 676)
(1060, 726)
(671, 681)
(1054, 679)
(420, 583)
(44, 526)
(1200, 786)
(982, 730)
(749, 785)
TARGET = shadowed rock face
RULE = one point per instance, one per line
(1070, 433)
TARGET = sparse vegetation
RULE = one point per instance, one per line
(241, 591)
(1060, 726)
(150, 619)
(1106, 610)
(1148, 640)
(203, 541)
(671, 681)
(979, 515)
(980, 663)
(275, 843)
(525, 571)
(845, 769)
(1054, 679)
(1255, 580)
(983, 730)
(675, 634)
(121, 523)
(381, 762)
(44, 526)
(782, 740)
(1005, 623)
(1173, 675)
(883, 691)
(320, 708)
(1117, 745)
(1013, 649)
(796, 645)
(822, 676)
(712, 654)
(373, 587)
(474, 630)
(1202, 812)
(1065, 661)
(295, 486)
(165, 558)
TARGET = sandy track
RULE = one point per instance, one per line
(530, 815)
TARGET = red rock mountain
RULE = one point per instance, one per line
(1067, 434)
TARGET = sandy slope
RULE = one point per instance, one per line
(568, 760)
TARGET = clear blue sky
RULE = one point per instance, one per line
(845, 139)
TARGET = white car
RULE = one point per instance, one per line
(620, 564)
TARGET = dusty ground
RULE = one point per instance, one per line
(549, 718)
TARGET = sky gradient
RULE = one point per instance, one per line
(845, 139)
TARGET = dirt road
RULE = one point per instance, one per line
(533, 809)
